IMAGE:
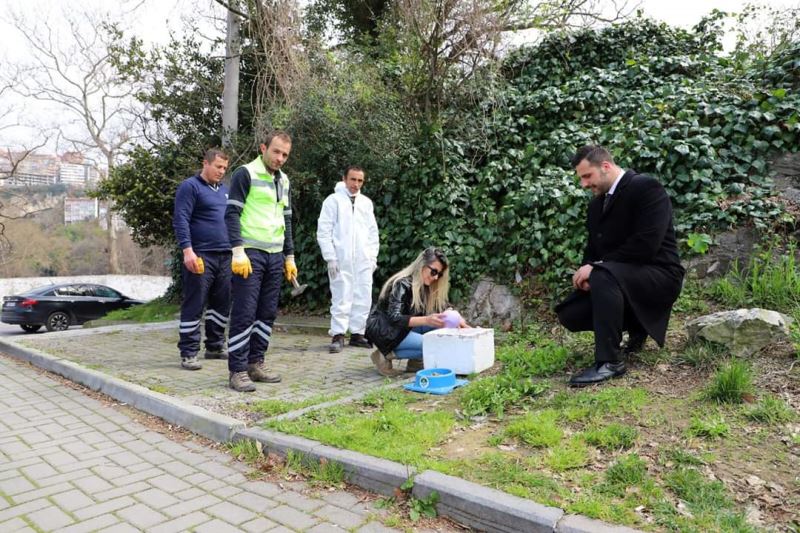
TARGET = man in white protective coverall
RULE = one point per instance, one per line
(348, 237)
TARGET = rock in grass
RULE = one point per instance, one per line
(743, 331)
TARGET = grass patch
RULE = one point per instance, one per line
(379, 425)
(157, 310)
(681, 457)
(771, 280)
(731, 383)
(163, 389)
(541, 361)
(515, 475)
(536, 429)
(325, 473)
(628, 471)
(712, 427)
(594, 405)
(702, 354)
(711, 507)
(246, 450)
(770, 410)
(270, 408)
(568, 456)
(614, 436)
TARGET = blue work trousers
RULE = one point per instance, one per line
(209, 291)
(255, 306)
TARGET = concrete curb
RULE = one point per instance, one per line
(468, 503)
(483, 508)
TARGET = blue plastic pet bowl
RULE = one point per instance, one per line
(435, 381)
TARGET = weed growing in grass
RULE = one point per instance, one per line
(246, 450)
(573, 454)
(713, 427)
(770, 410)
(731, 383)
(494, 394)
(536, 429)
(702, 354)
(424, 507)
(157, 310)
(614, 436)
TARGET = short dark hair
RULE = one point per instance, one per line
(593, 153)
(280, 134)
(355, 168)
(213, 153)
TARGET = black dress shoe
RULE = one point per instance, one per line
(597, 374)
(635, 343)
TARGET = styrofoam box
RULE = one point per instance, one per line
(464, 351)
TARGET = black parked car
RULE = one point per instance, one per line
(57, 307)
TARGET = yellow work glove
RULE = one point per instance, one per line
(289, 268)
(240, 265)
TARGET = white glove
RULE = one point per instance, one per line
(333, 269)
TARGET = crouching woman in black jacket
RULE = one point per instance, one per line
(410, 303)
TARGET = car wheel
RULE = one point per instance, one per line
(30, 328)
(57, 321)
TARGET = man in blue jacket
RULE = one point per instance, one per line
(199, 222)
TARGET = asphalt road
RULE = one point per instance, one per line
(14, 330)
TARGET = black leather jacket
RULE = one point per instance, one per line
(387, 324)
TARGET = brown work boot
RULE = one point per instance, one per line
(360, 341)
(383, 364)
(414, 365)
(337, 343)
(240, 382)
(258, 372)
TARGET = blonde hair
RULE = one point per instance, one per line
(426, 300)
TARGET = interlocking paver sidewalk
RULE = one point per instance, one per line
(71, 463)
(147, 355)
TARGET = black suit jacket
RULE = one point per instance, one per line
(634, 239)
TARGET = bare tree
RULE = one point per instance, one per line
(74, 71)
(446, 41)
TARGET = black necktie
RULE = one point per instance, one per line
(606, 201)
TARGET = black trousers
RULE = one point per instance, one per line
(604, 310)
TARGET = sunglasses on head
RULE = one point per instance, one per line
(434, 272)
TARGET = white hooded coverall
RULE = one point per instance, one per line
(347, 233)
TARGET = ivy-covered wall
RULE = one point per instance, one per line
(499, 195)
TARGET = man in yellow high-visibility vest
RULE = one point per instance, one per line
(259, 221)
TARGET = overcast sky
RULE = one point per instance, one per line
(152, 20)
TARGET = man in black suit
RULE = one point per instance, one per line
(631, 273)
